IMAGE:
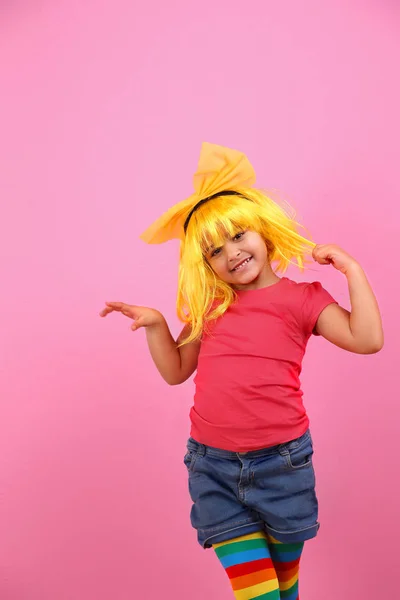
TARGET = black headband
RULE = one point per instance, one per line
(217, 195)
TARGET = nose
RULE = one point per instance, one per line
(232, 251)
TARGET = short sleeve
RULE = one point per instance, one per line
(315, 299)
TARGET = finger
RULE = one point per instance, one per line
(320, 248)
(105, 312)
(128, 310)
(317, 255)
(324, 259)
(316, 250)
(116, 305)
(137, 324)
(321, 259)
(320, 253)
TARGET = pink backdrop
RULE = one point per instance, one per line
(103, 107)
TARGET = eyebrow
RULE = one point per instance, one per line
(211, 248)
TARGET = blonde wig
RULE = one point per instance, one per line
(224, 202)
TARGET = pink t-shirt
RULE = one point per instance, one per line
(248, 392)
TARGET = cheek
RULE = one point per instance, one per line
(261, 251)
(219, 266)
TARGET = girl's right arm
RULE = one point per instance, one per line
(174, 364)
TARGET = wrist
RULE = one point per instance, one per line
(159, 321)
(353, 269)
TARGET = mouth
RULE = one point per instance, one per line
(242, 265)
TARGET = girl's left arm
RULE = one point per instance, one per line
(360, 330)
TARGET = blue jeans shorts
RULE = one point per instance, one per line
(237, 493)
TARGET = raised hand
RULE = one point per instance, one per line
(141, 315)
(330, 254)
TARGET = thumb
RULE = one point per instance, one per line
(137, 323)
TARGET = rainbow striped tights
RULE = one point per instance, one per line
(261, 568)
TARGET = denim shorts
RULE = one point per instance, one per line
(237, 493)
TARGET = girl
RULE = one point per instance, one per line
(249, 457)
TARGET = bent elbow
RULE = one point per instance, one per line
(171, 381)
(377, 348)
(373, 348)
(174, 380)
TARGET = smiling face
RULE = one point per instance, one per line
(242, 261)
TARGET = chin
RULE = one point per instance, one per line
(246, 279)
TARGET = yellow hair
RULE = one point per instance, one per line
(202, 296)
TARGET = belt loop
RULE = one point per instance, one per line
(201, 450)
(283, 451)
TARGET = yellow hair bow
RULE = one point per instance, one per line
(220, 169)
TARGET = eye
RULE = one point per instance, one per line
(239, 235)
(215, 252)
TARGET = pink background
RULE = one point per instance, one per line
(103, 107)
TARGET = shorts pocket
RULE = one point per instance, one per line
(299, 457)
(190, 460)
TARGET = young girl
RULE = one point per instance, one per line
(249, 457)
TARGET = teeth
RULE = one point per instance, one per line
(242, 265)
